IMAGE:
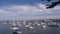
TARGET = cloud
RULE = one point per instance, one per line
(15, 10)
(39, 8)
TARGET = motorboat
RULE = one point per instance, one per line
(19, 32)
(53, 25)
(14, 28)
(29, 27)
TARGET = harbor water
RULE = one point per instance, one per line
(6, 29)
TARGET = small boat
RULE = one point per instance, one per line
(53, 25)
(43, 26)
(29, 27)
(19, 32)
(14, 28)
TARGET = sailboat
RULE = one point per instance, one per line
(14, 27)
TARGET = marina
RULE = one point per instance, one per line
(29, 27)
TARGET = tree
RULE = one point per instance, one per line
(53, 4)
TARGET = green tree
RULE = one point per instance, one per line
(53, 4)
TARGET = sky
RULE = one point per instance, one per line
(27, 9)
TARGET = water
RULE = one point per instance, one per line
(6, 29)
